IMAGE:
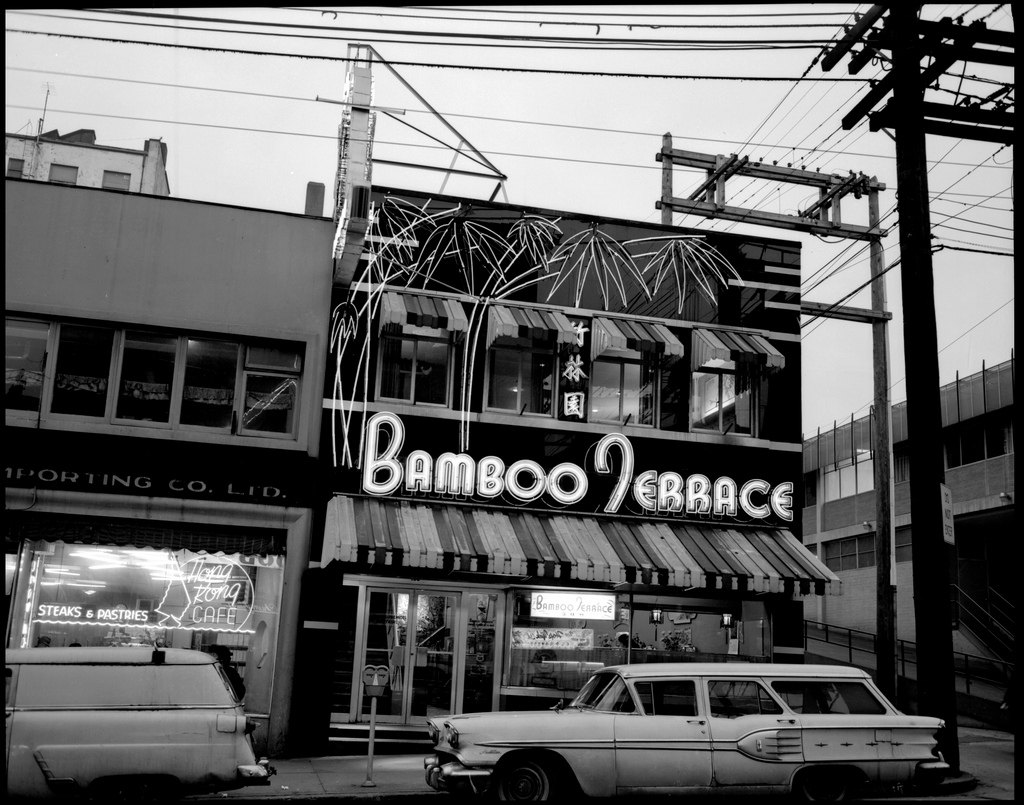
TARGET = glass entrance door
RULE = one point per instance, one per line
(413, 633)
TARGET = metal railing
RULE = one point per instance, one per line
(985, 623)
(861, 649)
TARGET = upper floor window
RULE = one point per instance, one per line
(64, 174)
(623, 386)
(158, 380)
(112, 180)
(723, 401)
(15, 168)
(521, 376)
(414, 365)
(25, 345)
(850, 553)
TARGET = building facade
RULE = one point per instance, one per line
(162, 400)
(76, 159)
(839, 513)
(549, 443)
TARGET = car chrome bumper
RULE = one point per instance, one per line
(256, 773)
(454, 776)
(930, 772)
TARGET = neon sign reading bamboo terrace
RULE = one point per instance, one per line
(458, 475)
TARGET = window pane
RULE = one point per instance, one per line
(736, 404)
(26, 349)
(605, 391)
(210, 376)
(432, 372)
(503, 390)
(865, 475)
(831, 485)
(396, 369)
(274, 356)
(269, 403)
(112, 180)
(972, 442)
(847, 481)
(83, 370)
(64, 174)
(705, 399)
(866, 551)
(147, 372)
(539, 379)
(631, 392)
(15, 168)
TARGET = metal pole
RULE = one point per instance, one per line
(369, 783)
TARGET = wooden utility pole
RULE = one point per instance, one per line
(936, 679)
(881, 420)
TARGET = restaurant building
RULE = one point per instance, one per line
(163, 368)
(550, 443)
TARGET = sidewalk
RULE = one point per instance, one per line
(986, 760)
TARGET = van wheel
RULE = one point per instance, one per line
(525, 781)
(824, 785)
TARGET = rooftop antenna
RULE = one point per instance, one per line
(35, 151)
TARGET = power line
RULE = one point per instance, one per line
(485, 68)
(574, 127)
(589, 41)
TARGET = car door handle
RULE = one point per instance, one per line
(786, 720)
(695, 721)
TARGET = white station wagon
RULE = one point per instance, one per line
(692, 728)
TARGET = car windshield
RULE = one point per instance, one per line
(605, 692)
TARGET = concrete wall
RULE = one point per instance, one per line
(91, 161)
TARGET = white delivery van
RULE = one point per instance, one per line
(124, 722)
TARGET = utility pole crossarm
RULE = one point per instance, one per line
(833, 57)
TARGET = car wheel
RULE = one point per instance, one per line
(525, 781)
(824, 785)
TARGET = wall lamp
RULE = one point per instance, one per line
(657, 616)
(726, 620)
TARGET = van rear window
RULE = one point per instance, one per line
(121, 686)
(819, 696)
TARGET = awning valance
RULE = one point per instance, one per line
(642, 336)
(423, 311)
(709, 345)
(373, 533)
(522, 322)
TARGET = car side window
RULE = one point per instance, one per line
(733, 698)
(813, 697)
(668, 697)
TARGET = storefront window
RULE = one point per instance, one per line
(98, 595)
(559, 639)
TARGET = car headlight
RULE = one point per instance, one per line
(433, 732)
(451, 735)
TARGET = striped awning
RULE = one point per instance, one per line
(709, 345)
(423, 311)
(373, 533)
(523, 322)
(642, 336)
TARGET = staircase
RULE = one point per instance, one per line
(988, 628)
(981, 681)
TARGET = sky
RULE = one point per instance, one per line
(571, 103)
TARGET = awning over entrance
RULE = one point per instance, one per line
(639, 335)
(376, 533)
(423, 311)
(709, 345)
(516, 322)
